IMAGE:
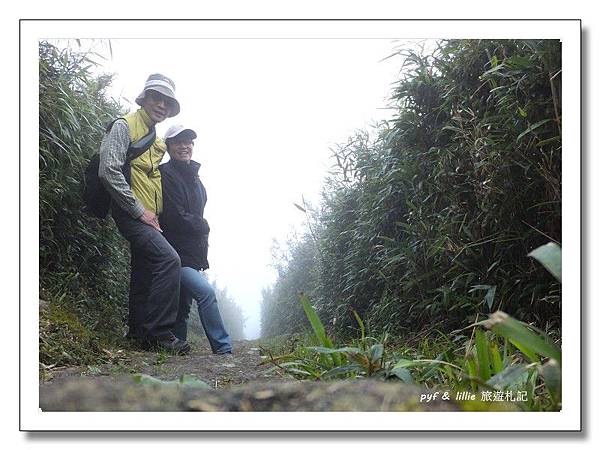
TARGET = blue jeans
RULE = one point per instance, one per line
(195, 285)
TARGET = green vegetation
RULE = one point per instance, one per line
(512, 360)
(426, 256)
(427, 220)
(83, 261)
(182, 381)
(429, 223)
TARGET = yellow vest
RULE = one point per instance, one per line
(145, 176)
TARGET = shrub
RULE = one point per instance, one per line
(83, 261)
(427, 220)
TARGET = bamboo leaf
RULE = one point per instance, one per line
(551, 373)
(299, 207)
(318, 327)
(549, 255)
(496, 359)
(532, 127)
(481, 344)
(508, 376)
(489, 296)
(315, 322)
(521, 336)
(329, 351)
(361, 325)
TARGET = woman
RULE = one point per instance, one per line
(184, 226)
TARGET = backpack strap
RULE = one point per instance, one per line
(137, 148)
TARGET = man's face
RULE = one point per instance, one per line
(181, 148)
(157, 105)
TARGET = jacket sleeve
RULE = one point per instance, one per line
(113, 152)
(174, 215)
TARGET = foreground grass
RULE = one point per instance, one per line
(497, 363)
(481, 370)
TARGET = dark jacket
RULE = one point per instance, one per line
(182, 219)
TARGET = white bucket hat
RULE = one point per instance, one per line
(176, 130)
(165, 86)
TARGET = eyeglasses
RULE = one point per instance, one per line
(182, 142)
(156, 97)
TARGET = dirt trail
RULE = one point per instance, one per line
(234, 383)
(218, 371)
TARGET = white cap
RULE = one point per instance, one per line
(175, 130)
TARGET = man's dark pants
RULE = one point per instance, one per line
(154, 282)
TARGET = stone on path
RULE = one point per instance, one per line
(123, 394)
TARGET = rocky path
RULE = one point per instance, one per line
(218, 371)
(147, 381)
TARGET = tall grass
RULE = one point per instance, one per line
(83, 261)
(426, 222)
(513, 366)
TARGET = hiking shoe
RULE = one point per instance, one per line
(171, 344)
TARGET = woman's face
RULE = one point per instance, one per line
(181, 149)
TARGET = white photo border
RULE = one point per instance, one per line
(568, 31)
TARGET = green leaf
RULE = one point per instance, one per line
(496, 359)
(318, 327)
(376, 352)
(548, 141)
(299, 207)
(471, 370)
(343, 370)
(300, 368)
(508, 376)
(552, 379)
(489, 296)
(141, 378)
(549, 255)
(330, 351)
(522, 337)
(401, 363)
(492, 70)
(402, 374)
(315, 322)
(184, 380)
(296, 371)
(188, 380)
(481, 344)
(522, 112)
(532, 127)
(360, 324)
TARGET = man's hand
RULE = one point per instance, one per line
(150, 218)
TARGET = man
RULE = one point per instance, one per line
(186, 229)
(136, 193)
